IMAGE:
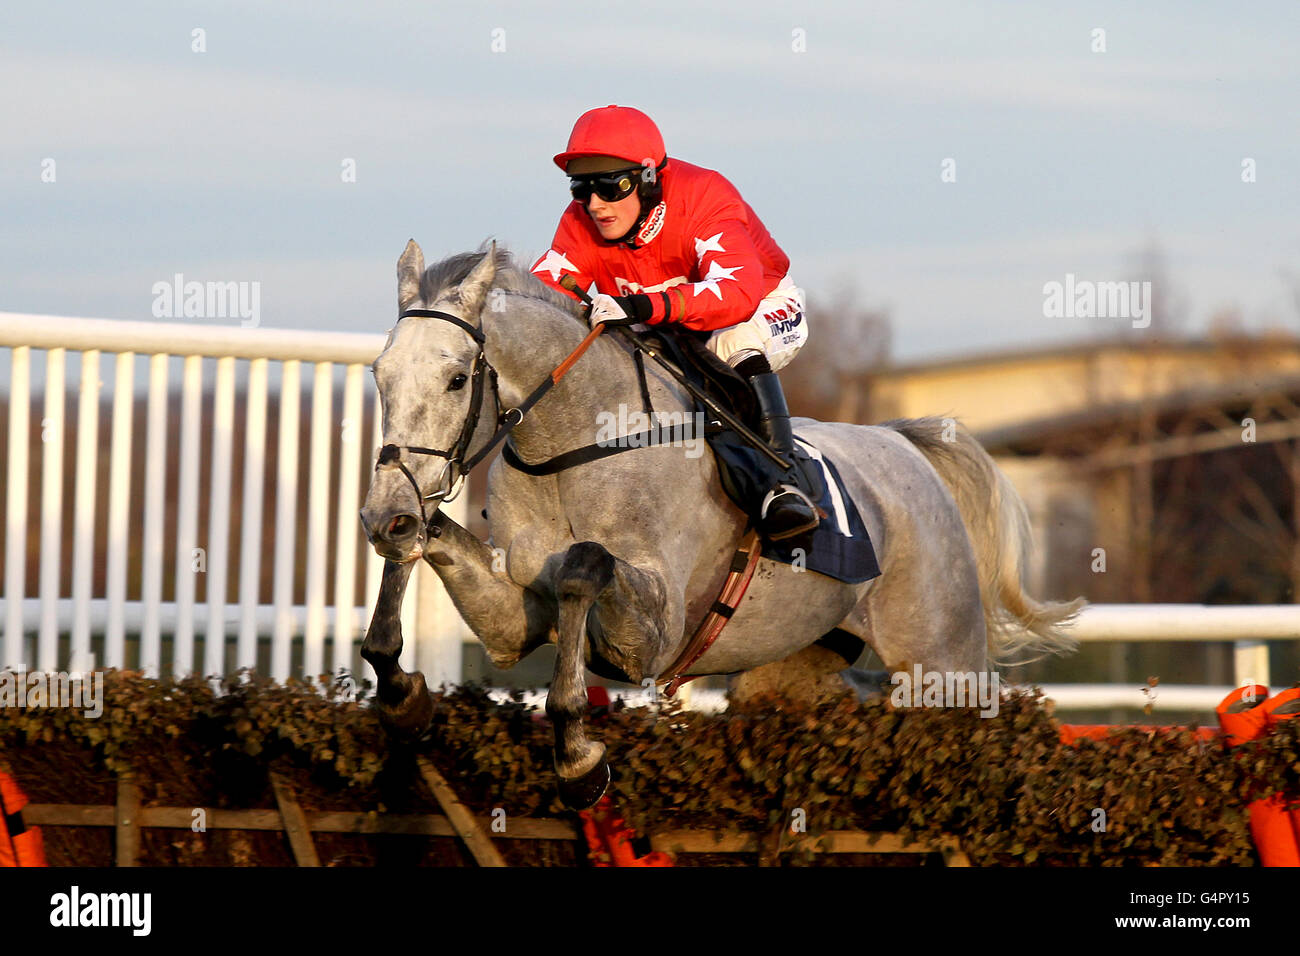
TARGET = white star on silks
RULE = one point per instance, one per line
(710, 244)
(716, 274)
(555, 263)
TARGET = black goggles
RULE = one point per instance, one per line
(611, 187)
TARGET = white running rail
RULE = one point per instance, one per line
(68, 622)
(329, 633)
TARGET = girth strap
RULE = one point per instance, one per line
(743, 563)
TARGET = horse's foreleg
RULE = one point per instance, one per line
(509, 619)
(585, 571)
(631, 624)
(636, 623)
(403, 703)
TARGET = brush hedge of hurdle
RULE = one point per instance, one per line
(278, 775)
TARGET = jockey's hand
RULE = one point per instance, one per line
(618, 310)
(608, 309)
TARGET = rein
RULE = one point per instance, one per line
(506, 420)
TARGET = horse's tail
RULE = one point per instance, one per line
(1000, 534)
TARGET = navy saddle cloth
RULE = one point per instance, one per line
(840, 546)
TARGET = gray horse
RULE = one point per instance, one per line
(615, 561)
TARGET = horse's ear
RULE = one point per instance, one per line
(474, 289)
(409, 270)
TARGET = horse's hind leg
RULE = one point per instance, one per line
(867, 685)
(804, 675)
(808, 676)
(906, 620)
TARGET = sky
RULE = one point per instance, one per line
(836, 121)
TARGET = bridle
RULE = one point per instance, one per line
(506, 420)
(451, 479)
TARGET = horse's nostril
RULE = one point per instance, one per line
(402, 526)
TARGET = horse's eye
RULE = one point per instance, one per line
(458, 382)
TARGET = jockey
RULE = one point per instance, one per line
(668, 242)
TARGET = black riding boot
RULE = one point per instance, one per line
(788, 510)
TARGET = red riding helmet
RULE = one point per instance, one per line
(618, 131)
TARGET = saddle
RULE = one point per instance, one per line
(686, 349)
(840, 547)
(746, 474)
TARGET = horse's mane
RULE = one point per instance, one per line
(451, 272)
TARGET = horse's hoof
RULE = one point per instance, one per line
(409, 720)
(580, 793)
(866, 685)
